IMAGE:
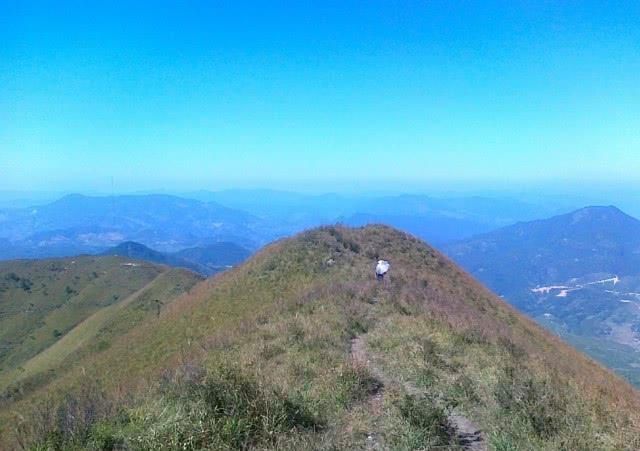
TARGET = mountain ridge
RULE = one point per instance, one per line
(288, 317)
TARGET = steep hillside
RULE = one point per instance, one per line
(578, 274)
(301, 348)
(52, 309)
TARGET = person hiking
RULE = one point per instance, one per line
(382, 268)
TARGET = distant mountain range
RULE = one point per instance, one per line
(578, 273)
(205, 260)
(436, 228)
(77, 224)
(438, 220)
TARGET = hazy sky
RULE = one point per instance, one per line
(192, 95)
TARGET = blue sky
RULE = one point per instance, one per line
(190, 95)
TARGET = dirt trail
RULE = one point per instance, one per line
(467, 435)
(376, 397)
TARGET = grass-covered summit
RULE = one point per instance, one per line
(301, 348)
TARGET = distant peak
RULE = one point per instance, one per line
(598, 212)
(601, 208)
(131, 244)
(73, 196)
(130, 248)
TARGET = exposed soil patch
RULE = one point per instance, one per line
(467, 434)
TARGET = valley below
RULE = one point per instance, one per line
(599, 316)
(576, 274)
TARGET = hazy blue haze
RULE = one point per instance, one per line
(191, 95)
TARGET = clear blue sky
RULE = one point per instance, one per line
(192, 95)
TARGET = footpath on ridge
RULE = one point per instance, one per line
(463, 431)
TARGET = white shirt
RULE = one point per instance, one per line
(382, 267)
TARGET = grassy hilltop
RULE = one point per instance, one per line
(300, 348)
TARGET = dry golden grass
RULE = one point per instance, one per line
(280, 327)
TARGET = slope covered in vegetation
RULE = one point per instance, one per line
(54, 310)
(301, 348)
